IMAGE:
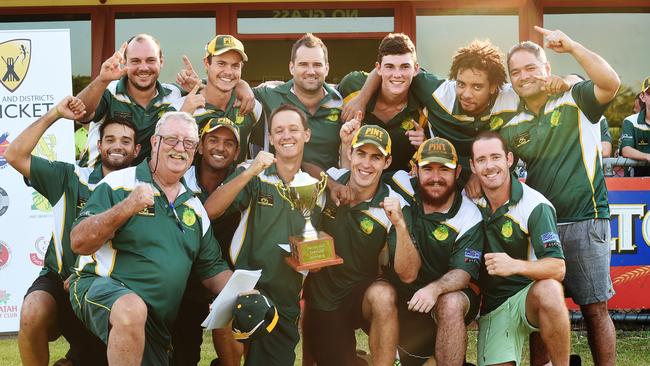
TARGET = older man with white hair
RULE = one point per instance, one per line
(138, 237)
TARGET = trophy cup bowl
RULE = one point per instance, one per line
(311, 249)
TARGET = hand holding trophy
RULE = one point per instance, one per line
(312, 249)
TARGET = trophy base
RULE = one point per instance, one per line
(293, 263)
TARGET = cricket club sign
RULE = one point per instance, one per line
(16, 55)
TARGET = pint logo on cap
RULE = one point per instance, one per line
(228, 41)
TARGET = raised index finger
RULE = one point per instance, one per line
(541, 30)
(188, 64)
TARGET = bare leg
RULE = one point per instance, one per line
(538, 351)
(452, 343)
(379, 308)
(37, 327)
(600, 333)
(228, 349)
(127, 336)
(546, 309)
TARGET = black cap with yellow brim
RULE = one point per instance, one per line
(254, 316)
(215, 123)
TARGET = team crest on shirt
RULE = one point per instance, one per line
(334, 115)
(642, 141)
(506, 229)
(522, 139)
(239, 119)
(366, 225)
(330, 212)
(148, 211)
(441, 233)
(555, 118)
(189, 218)
(496, 123)
(81, 203)
(265, 200)
(408, 124)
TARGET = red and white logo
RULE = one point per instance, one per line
(5, 254)
(40, 245)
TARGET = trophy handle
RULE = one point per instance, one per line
(284, 193)
(323, 183)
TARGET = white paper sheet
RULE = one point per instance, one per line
(221, 310)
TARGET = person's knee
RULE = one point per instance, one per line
(451, 306)
(595, 310)
(38, 309)
(381, 298)
(128, 312)
(548, 295)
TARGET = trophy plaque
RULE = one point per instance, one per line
(312, 249)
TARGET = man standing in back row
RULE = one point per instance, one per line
(559, 139)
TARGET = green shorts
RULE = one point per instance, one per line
(93, 297)
(502, 332)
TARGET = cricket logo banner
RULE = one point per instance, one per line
(16, 55)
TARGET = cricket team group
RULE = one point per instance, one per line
(180, 185)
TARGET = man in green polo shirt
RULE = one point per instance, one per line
(127, 87)
(139, 236)
(393, 106)
(559, 139)
(635, 135)
(523, 262)
(267, 220)
(449, 238)
(217, 151)
(46, 310)
(224, 60)
(342, 298)
(308, 91)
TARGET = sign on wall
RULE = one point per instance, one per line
(35, 73)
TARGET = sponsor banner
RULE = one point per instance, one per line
(35, 73)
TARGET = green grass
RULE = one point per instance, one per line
(633, 349)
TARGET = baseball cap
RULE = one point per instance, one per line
(254, 316)
(437, 150)
(220, 122)
(224, 43)
(645, 85)
(372, 134)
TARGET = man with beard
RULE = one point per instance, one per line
(392, 106)
(559, 139)
(267, 220)
(224, 60)
(349, 296)
(139, 236)
(218, 149)
(127, 87)
(435, 308)
(523, 264)
(46, 310)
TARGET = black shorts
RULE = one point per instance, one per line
(331, 333)
(85, 348)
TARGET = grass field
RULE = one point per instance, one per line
(633, 349)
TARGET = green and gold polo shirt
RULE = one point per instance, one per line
(323, 146)
(153, 253)
(406, 120)
(116, 103)
(66, 187)
(268, 220)
(245, 124)
(561, 146)
(360, 233)
(524, 228)
(445, 241)
(636, 134)
(448, 120)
